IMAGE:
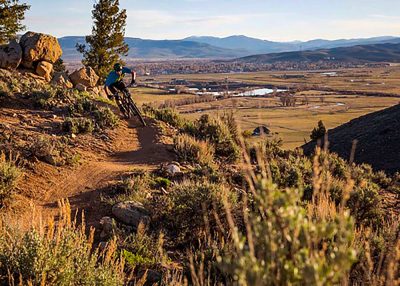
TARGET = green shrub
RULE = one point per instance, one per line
(364, 204)
(105, 118)
(48, 96)
(218, 133)
(160, 182)
(78, 125)
(59, 254)
(51, 150)
(318, 132)
(143, 250)
(135, 259)
(182, 211)
(4, 90)
(247, 133)
(133, 187)
(284, 245)
(9, 177)
(194, 151)
(166, 115)
(82, 106)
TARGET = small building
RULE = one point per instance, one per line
(261, 130)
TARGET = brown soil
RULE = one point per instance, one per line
(105, 159)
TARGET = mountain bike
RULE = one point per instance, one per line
(128, 106)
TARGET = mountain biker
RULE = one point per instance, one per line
(114, 81)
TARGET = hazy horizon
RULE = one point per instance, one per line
(273, 20)
(381, 36)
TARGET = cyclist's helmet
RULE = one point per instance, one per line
(118, 67)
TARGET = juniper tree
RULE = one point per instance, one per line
(318, 132)
(11, 15)
(106, 43)
(59, 66)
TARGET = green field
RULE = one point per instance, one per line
(292, 124)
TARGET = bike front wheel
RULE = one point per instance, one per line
(133, 108)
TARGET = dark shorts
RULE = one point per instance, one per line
(117, 86)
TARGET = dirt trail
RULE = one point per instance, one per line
(133, 147)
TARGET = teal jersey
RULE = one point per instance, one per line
(113, 77)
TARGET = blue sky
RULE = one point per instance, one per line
(278, 20)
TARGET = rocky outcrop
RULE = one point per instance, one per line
(10, 55)
(81, 87)
(37, 47)
(99, 91)
(44, 69)
(85, 76)
(61, 79)
(131, 213)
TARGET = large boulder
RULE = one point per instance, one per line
(44, 69)
(61, 79)
(85, 76)
(131, 213)
(10, 55)
(38, 47)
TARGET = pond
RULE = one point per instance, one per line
(259, 92)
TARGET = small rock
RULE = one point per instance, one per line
(54, 116)
(131, 213)
(61, 79)
(173, 169)
(107, 224)
(73, 136)
(44, 69)
(81, 87)
(15, 115)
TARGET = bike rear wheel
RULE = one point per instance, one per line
(122, 107)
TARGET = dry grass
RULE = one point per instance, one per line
(293, 124)
(10, 175)
(57, 254)
(364, 79)
(194, 151)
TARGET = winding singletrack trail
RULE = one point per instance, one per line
(131, 147)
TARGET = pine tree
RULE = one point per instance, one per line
(11, 15)
(106, 43)
(318, 132)
(59, 66)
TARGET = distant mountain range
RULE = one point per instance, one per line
(257, 46)
(361, 53)
(156, 49)
(216, 48)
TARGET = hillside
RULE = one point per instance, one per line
(152, 216)
(213, 47)
(378, 136)
(365, 53)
